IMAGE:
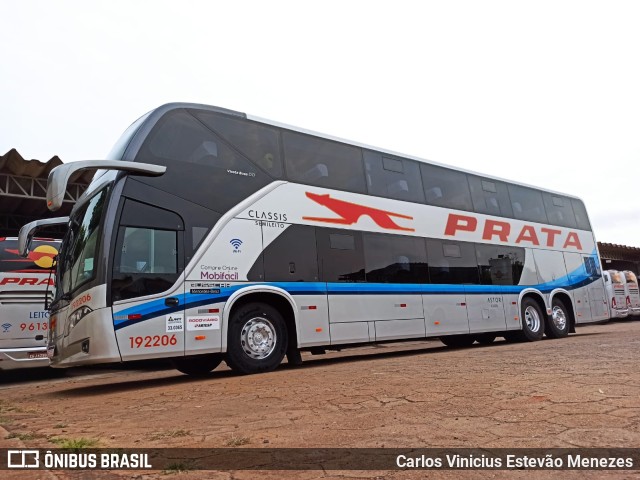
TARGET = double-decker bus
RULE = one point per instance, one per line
(210, 235)
(26, 284)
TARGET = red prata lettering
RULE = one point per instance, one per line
(493, 227)
(501, 230)
(25, 281)
(572, 241)
(461, 223)
(528, 234)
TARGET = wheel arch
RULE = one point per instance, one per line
(274, 296)
(562, 294)
(537, 296)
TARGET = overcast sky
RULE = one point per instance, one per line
(543, 92)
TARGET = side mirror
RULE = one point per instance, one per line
(28, 231)
(59, 176)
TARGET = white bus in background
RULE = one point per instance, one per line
(615, 286)
(632, 294)
(210, 235)
(24, 285)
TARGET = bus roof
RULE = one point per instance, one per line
(154, 116)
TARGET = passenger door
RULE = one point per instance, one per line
(451, 266)
(577, 274)
(147, 286)
(597, 296)
(341, 263)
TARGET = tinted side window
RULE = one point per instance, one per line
(490, 197)
(340, 255)
(559, 211)
(146, 262)
(527, 204)
(452, 262)
(393, 177)
(259, 143)
(291, 257)
(147, 252)
(323, 163)
(202, 168)
(581, 214)
(593, 270)
(395, 259)
(446, 188)
(499, 265)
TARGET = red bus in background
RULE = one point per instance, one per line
(25, 283)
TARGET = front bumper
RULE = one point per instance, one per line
(619, 313)
(14, 358)
(635, 311)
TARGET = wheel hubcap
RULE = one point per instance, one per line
(258, 338)
(559, 318)
(532, 319)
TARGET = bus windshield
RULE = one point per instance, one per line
(77, 265)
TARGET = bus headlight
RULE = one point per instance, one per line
(78, 315)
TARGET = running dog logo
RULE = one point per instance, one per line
(350, 213)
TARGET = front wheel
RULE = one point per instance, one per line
(197, 365)
(558, 324)
(257, 339)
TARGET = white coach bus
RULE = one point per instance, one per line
(209, 235)
(25, 283)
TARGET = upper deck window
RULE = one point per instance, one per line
(559, 210)
(447, 188)
(490, 197)
(393, 177)
(257, 142)
(200, 166)
(527, 204)
(323, 163)
(581, 214)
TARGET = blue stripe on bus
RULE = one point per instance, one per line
(156, 308)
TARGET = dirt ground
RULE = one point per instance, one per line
(582, 391)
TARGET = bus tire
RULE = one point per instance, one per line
(458, 341)
(257, 340)
(532, 321)
(485, 338)
(558, 323)
(197, 365)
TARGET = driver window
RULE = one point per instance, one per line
(145, 250)
(146, 253)
(146, 262)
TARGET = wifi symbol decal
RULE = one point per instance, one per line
(6, 327)
(236, 242)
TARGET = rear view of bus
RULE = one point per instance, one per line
(615, 282)
(632, 292)
(24, 285)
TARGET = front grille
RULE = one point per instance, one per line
(22, 297)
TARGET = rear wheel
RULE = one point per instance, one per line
(458, 341)
(558, 325)
(257, 339)
(197, 365)
(532, 321)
